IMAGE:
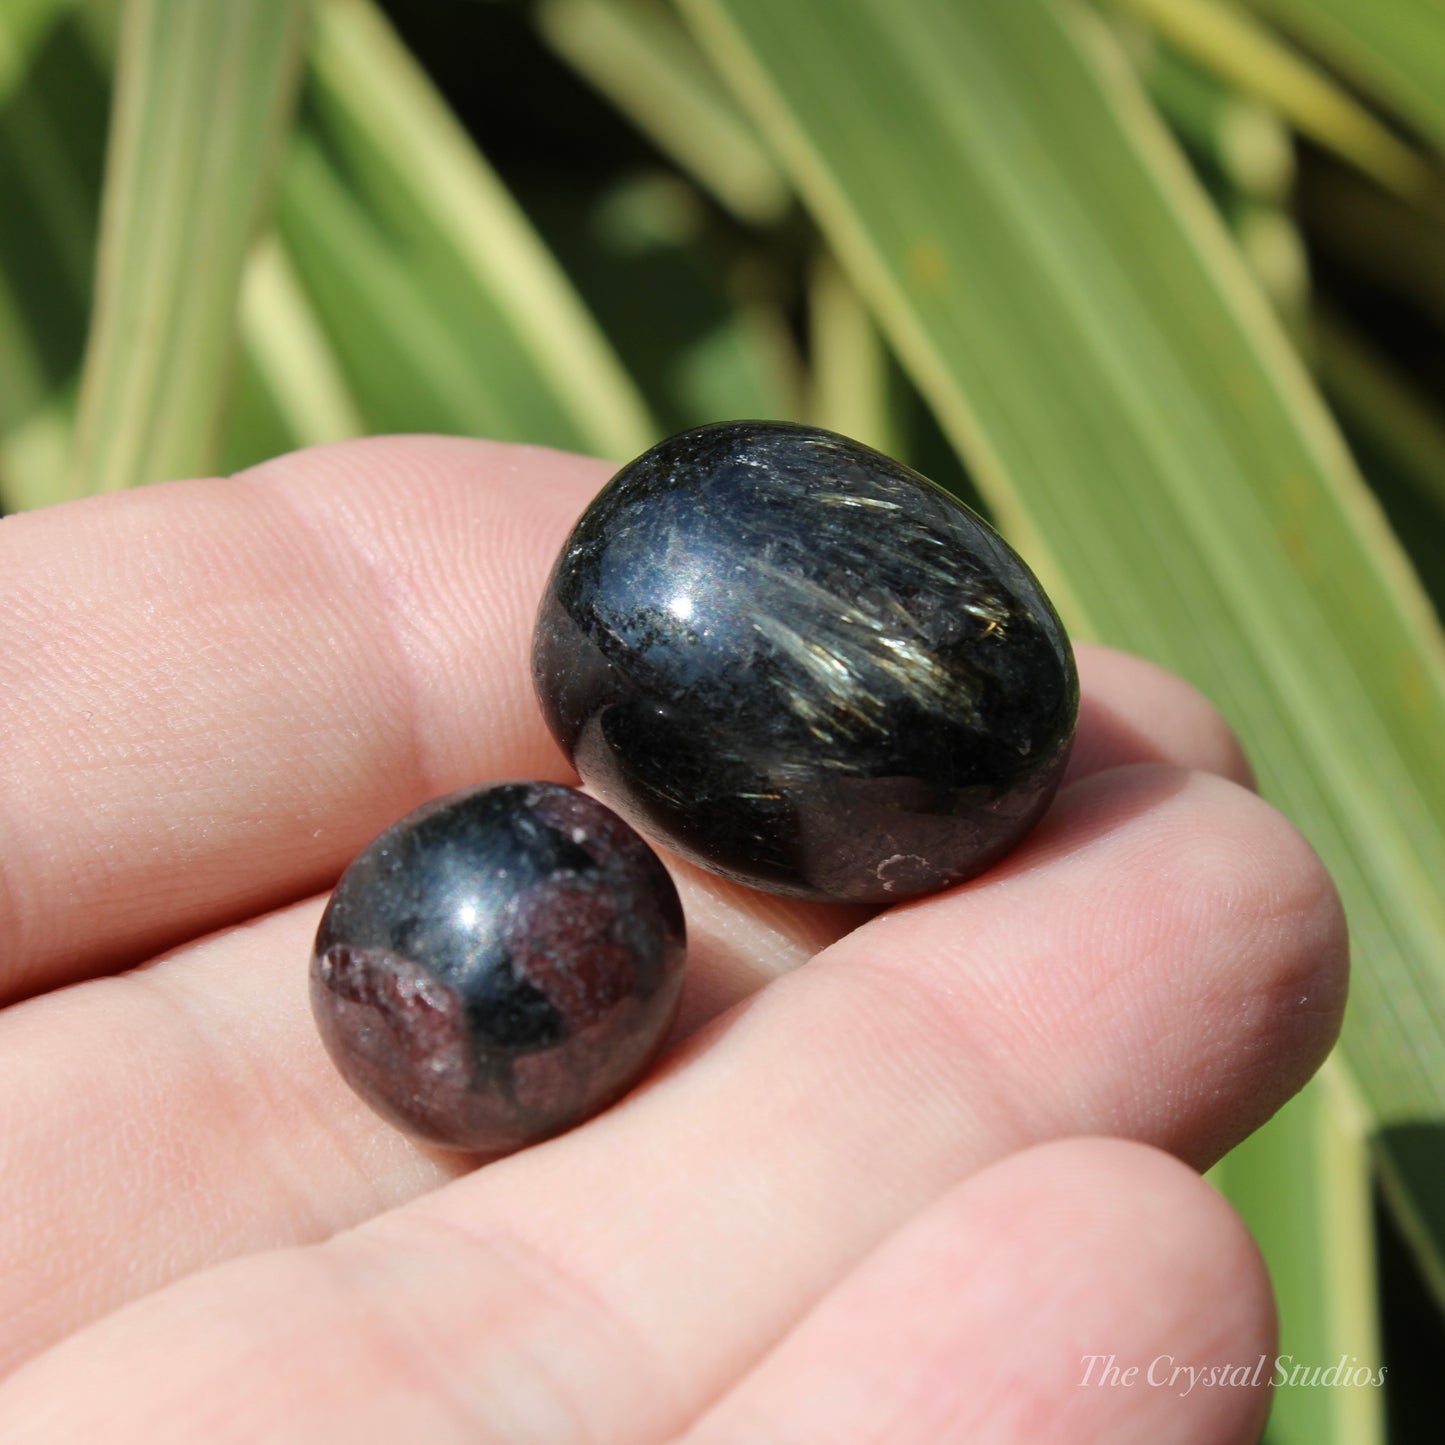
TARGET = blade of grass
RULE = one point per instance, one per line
(1244, 156)
(666, 287)
(44, 149)
(203, 99)
(1250, 56)
(257, 427)
(24, 25)
(35, 417)
(1239, 139)
(407, 363)
(1393, 49)
(637, 54)
(289, 391)
(420, 175)
(420, 350)
(1271, 245)
(52, 125)
(748, 365)
(849, 361)
(1304, 1185)
(291, 351)
(1078, 318)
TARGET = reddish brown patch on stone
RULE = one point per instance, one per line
(567, 943)
(389, 1022)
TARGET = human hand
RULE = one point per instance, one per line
(861, 1200)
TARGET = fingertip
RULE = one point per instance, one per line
(1166, 939)
(1132, 710)
(1082, 1289)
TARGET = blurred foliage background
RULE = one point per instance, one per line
(1157, 284)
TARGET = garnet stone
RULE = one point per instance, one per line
(499, 965)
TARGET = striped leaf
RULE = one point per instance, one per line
(1049, 271)
(202, 102)
(1392, 49)
(447, 245)
(1251, 56)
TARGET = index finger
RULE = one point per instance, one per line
(215, 692)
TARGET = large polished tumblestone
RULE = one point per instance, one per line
(802, 665)
(499, 965)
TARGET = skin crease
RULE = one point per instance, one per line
(215, 693)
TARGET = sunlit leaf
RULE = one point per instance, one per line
(1238, 138)
(637, 54)
(281, 329)
(1254, 58)
(851, 391)
(1075, 312)
(53, 101)
(1394, 49)
(440, 213)
(1304, 1186)
(203, 98)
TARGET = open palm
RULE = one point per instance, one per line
(868, 1194)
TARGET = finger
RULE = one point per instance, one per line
(145, 1065)
(200, 1119)
(1132, 711)
(1089, 1290)
(215, 693)
(1174, 926)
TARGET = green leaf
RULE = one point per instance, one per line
(293, 352)
(1271, 245)
(636, 53)
(850, 374)
(693, 314)
(1235, 137)
(1393, 49)
(441, 234)
(34, 417)
(394, 325)
(1304, 1186)
(203, 98)
(1250, 56)
(1048, 270)
(24, 25)
(53, 100)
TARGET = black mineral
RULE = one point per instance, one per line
(499, 965)
(804, 666)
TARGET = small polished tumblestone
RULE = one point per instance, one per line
(801, 664)
(499, 965)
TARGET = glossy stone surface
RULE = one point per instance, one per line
(804, 666)
(499, 965)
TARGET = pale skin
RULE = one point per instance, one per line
(897, 1178)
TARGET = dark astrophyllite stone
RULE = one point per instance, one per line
(800, 664)
(499, 965)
